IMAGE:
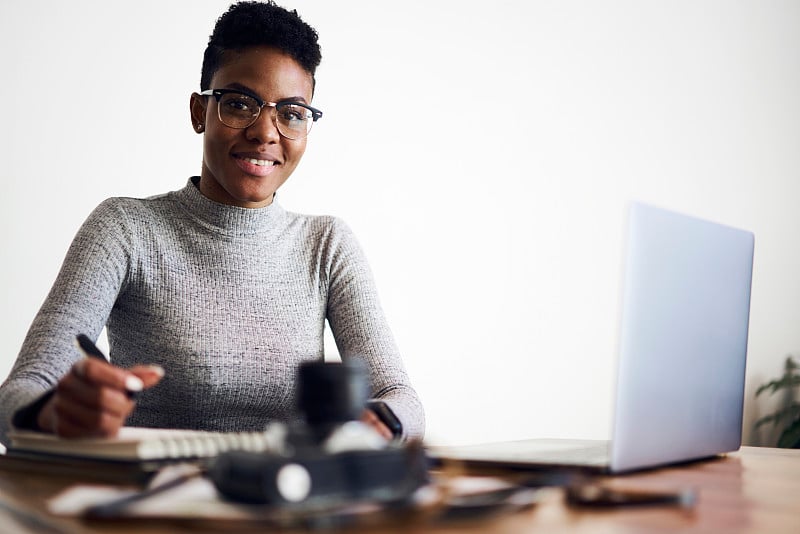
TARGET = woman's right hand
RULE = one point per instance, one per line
(92, 399)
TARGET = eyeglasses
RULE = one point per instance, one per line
(237, 109)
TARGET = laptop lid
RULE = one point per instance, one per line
(683, 339)
(681, 358)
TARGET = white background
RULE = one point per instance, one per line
(483, 152)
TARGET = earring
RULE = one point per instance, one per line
(199, 128)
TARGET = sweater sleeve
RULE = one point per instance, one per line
(361, 330)
(80, 301)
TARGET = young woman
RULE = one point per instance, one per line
(212, 295)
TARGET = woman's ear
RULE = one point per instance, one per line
(197, 111)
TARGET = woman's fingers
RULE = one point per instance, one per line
(150, 375)
(74, 420)
(101, 373)
(82, 386)
(369, 417)
(92, 399)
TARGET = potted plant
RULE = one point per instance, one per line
(789, 412)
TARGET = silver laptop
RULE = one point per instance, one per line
(682, 352)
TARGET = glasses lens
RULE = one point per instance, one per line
(294, 120)
(237, 110)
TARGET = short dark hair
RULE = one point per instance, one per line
(248, 24)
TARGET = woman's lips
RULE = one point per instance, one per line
(255, 166)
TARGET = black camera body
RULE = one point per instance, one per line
(330, 458)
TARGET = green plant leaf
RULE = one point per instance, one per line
(790, 412)
(790, 438)
(787, 381)
(764, 420)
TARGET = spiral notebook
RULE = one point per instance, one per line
(139, 444)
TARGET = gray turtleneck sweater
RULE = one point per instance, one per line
(227, 300)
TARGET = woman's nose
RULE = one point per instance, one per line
(264, 130)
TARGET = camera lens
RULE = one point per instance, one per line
(332, 392)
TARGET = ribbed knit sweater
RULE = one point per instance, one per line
(229, 301)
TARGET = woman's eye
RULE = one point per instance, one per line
(238, 104)
(292, 114)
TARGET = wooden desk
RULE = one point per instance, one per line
(755, 490)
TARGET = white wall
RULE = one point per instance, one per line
(502, 141)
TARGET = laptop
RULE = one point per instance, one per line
(682, 352)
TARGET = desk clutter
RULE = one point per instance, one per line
(330, 467)
(182, 492)
(328, 470)
(328, 457)
(185, 492)
(753, 490)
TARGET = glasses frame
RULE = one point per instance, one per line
(219, 93)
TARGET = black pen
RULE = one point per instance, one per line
(90, 350)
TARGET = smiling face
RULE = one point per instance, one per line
(244, 167)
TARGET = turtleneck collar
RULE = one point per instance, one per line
(229, 220)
